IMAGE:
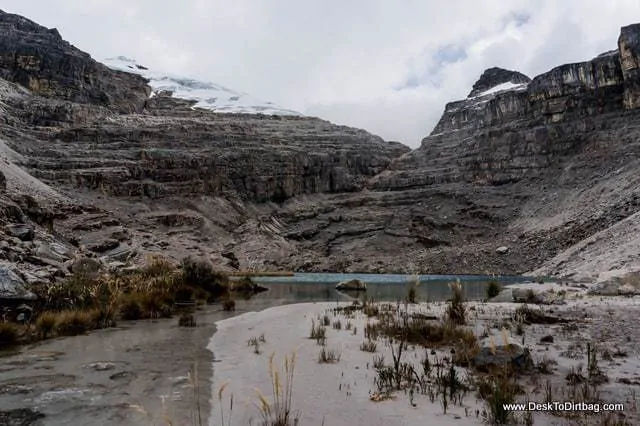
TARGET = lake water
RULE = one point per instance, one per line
(306, 287)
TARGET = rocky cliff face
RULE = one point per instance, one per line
(546, 144)
(538, 166)
(40, 60)
(629, 46)
(155, 174)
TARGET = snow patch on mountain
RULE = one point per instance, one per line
(207, 95)
(502, 88)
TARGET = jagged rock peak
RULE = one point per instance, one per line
(496, 76)
(27, 25)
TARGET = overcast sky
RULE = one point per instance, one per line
(388, 66)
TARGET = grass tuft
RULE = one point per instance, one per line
(279, 411)
(456, 310)
(328, 356)
(368, 346)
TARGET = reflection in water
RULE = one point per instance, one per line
(431, 290)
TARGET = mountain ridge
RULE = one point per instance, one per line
(538, 166)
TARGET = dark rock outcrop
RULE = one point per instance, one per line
(495, 76)
(629, 46)
(13, 287)
(40, 60)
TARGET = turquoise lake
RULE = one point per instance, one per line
(307, 287)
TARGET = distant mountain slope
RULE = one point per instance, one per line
(208, 95)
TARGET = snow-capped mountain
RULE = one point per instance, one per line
(208, 95)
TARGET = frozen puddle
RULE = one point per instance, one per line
(332, 394)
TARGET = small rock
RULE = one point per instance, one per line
(502, 250)
(123, 253)
(352, 285)
(120, 234)
(122, 375)
(103, 245)
(115, 266)
(21, 231)
(102, 366)
(547, 339)
(12, 286)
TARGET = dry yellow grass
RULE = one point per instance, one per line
(280, 411)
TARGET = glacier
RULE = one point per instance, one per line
(208, 96)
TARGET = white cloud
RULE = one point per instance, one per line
(342, 60)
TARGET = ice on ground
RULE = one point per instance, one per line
(207, 95)
(339, 394)
(336, 394)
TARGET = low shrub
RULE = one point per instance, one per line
(497, 391)
(9, 334)
(493, 289)
(229, 305)
(200, 275)
(46, 324)
(71, 323)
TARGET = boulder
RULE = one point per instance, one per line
(498, 356)
(102, 245)
(628, 290)
(20, 230)
(233, 260)
(614, 288)
(352, 285)
(523, 295)
(51, 252)
(12, 286)
(527, 295)
(502, 250)
(122, 253)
